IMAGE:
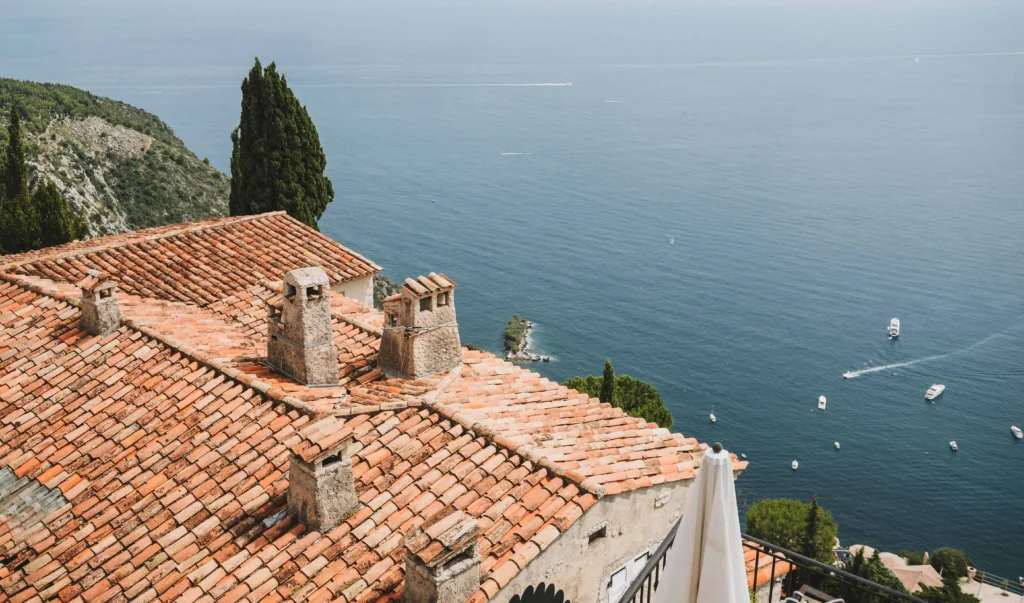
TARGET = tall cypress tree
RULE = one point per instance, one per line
(57, 223)
(19, 226)
(607, 383)
(277, 162)
(15, 170)
(811, 536)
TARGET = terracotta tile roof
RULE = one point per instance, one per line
(175, 476)
(760, 569)
(169, 440)
(200, 262)
(590, 440)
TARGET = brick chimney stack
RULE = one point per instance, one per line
(300, 337)
(100, 313)
(421, 334)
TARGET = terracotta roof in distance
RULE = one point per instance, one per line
(199, 263)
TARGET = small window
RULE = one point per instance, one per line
(314, 292)
(289, 291)
(392, 320)
(425, 304)
(597, 535)
(442, 299)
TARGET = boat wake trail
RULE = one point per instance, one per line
(877, 369)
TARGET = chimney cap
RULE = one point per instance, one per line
(307, 277)
(427, 285)
(446, 535)
(93, 279)
(322, 439)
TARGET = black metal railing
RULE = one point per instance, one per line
(790, 577)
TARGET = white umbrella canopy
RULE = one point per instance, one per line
(705, 563)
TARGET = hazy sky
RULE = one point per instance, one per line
(117, 34)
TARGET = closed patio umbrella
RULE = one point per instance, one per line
(705, 563)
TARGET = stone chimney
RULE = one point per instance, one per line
(100, 313)
(300, 338)
(443, 563)
(421, 335)
(321, 489)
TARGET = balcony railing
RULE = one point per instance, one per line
(791, 577)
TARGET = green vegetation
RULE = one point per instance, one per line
(637, 398)
(276, 160)
(39, 103)
(383, 287)
(787, 523)
(119, 168)
(949, 592)
(27, 221)
(515, 333)
(470, 346)
(912, 557)
(951, 561)
(873, 569)
(164, 186)
(57, 224)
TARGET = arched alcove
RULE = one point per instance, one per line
(542, 593)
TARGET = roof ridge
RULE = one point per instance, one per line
(239, 376)
(186, 227)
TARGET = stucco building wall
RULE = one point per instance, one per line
(634, 522)
(359, 289)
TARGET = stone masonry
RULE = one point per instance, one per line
(300, 337)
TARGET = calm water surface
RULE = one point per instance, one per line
(716, 213)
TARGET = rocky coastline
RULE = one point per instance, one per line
(520, 353)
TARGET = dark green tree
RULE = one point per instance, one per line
(874, 570)
(19, 226)
(784, 522)
(277, 162)
(607, 383)
(57, 223)
(949, 560)
(15, 169)
(811, 536)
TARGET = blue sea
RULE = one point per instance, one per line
(729, 201)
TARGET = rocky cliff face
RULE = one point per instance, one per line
(119, 167)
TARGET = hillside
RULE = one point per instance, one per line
(118, 166)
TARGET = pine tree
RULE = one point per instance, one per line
(277, 162)
(608, 383)
(57, 223)
(19, 226)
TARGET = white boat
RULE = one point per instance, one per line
(743, 456)
(954, 446)
(837, 445)
(1016, 432)
(849, 375)
(713, 418)
(894, 328)
(821, 402)
(796, 465)
(934, 391)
